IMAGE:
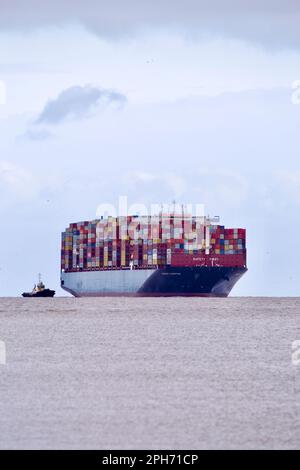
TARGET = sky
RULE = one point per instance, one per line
(193, 101)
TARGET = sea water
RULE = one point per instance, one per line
(149, 373)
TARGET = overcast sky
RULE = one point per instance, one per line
(158, 101)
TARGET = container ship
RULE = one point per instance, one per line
(163, 255)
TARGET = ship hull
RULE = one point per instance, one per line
(43, 293)
(216, 281)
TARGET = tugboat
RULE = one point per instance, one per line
(39, 290)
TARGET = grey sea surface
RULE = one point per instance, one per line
(151, 373)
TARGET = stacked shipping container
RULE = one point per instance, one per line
(141, 242)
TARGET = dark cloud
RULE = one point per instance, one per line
(270, 22)
(77, 102)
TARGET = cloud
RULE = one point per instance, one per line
(272, 22)
(78, 102)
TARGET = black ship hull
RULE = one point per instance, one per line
(44, 293)
(192, 281)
